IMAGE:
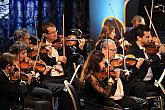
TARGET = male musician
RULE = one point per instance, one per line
(31, 41)
(43, 90)
(148, 71)
(20, 50)
(53, 57)
(130, 35)
(76, 53)
(9, 92)
(109, 49)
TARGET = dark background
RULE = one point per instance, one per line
(136, 7)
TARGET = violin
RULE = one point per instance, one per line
(40, 66)
(104, 75)
(33, 50)
(155, 46)
(151, 48)
(129, 60)
(120, 60)
(124, 44)
(17, 75)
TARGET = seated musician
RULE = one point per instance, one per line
(102, 91)
(53, 57)
(31, 41)
(149, 70)
(109, 32)
(130, 35)
(43, 90)
(76, 53)
(24, 65)
(9, 91)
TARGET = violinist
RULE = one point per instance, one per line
(105, 92)
(31, 41)
(44, 90)
(34, 88)
(76, 53)
(109, 32)
(53, 57)
(147, 72)
(108, 48)
(130, 34)
(9, 91)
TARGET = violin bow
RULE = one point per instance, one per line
(63, 43)
(106, 34)
(120, 31)
(151, 22)
(151, 12)
(38, 45)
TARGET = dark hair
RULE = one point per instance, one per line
(17, 47)
(5, 59)
(91, 65)
(46, 25)
(106, 30)
(139, 30)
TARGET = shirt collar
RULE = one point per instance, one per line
(141, 47)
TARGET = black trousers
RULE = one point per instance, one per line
(64, 102)
(133, 103)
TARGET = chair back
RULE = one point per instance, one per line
(71, 90)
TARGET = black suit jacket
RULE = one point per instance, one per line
(153, 62)
(9, 92)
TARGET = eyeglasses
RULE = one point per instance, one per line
(13, 65)
(114, 50)
(54, 32)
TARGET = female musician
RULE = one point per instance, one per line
(108, 48)
(20, 50)
(109, 32)
(97, 91)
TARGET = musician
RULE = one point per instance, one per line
(145, 73)
(44, 90)
(109, 32)
(22, 35)
(130, 35)
(95, 92)
(20, 50)
(54, 57)
(106, 92)
(9, 92)
(31, 41)
(76, 53)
